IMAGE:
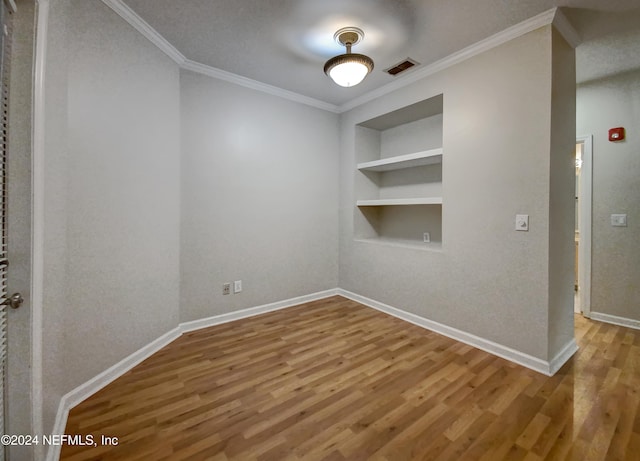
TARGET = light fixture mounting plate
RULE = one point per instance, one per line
(348, 35)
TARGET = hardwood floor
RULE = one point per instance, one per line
(335, 380)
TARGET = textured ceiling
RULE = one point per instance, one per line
(285, 43)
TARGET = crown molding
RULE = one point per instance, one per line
(566, 29)
(145, 29)
(256, 85)
(553, 16)
(11, 4)
(531, 24)
(158, 40)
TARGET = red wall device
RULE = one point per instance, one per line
(616, 134)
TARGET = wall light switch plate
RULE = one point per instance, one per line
(426, 237)
(522, 222)
(237, 286)
(619, 220)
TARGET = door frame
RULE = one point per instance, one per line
(37, 222)
(585, 205)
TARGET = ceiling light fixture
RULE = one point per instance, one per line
(348, 69)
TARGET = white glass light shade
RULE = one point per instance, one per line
(348, 69)
(349, 73)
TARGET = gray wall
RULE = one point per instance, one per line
(602, 104)
(112, 195)
(258, 202)
(55, 222)
(259, 197)
(162, 184)
(562, 194)
(488, 280)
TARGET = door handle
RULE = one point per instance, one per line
(15, 301)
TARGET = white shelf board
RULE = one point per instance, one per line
(427, 157)
(401, 201)
(413, 244)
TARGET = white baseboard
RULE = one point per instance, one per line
(252, 311)
(615, 320)
(86, 390)
(561, 358)
(526, 360)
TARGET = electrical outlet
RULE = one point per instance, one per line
(522, 222)
(237, 286)
(226, 288)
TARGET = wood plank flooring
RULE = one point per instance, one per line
(334, 380)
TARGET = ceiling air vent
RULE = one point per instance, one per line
(402, 66)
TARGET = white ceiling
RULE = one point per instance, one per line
(285, 43)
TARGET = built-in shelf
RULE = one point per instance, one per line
(399, 160)
(427, 157)
(401, 201)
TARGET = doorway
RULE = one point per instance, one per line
(582, 235)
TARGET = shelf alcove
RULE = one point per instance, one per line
(399, 176)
